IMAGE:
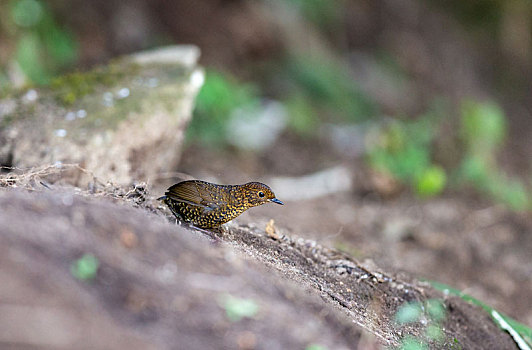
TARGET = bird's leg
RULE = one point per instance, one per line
(178, 221)
(223, 230)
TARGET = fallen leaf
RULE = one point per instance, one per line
(271, 231)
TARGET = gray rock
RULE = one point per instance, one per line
(122, 122)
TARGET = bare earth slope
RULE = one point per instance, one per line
(159, 285)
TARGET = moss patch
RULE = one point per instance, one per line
(70, 88)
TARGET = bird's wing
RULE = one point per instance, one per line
(194, 193)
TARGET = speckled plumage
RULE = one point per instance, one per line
(208, 205)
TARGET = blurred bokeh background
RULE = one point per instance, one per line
(395, 130)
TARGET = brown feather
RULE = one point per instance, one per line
(193, 192)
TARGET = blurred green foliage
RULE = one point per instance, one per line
(43, 47)
(431, 182)
(219, 97)
(435, 309)
(85, 268)
(431, 313)
(483, 127)
(302, 117)
(522, 330)
(26, 13)
(483, 131)
(319, 91)
(238, 308)
(488, 179)
(330, 89)
(408, 313)
(403, 149)
(323, 13)
(315, 347)
(434, 332)
(411, 343)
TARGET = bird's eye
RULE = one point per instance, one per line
(261, 194)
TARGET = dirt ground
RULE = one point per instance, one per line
(459, 239)
(159, 285)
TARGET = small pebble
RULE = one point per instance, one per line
(81, 113)
(122, 93)
(70, 116)
(128, 239)
(31, 95)
(60, 132)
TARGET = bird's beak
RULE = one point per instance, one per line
(275, 200)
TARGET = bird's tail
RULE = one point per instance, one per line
(162, 198)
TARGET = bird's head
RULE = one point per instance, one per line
(258, 193)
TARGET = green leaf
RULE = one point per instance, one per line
(29, 57)
(60, 45)
(524, 331)
(302, 117)
(331, 87)
(402, 149)
(503, 324)
(410, 343)
(26, 13)
(218, 98)
(315, 347)
(85, 268)
(483, 126)
(408, 313)
(434, 332)
(324, 13)
(513, 193)
(435, 309)
(238, 308)
(431, 182)
(475, 170)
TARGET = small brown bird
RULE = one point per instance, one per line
(207, 205)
